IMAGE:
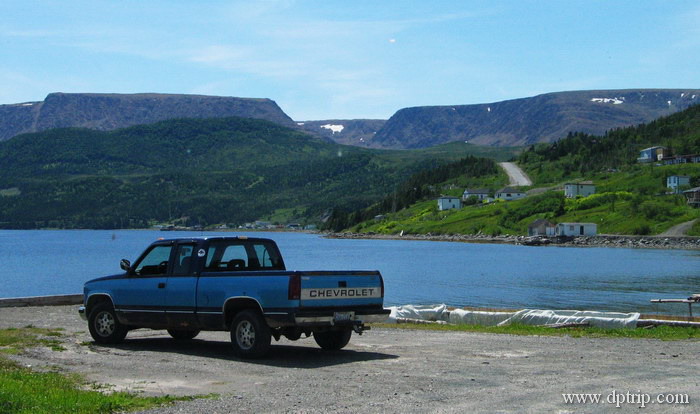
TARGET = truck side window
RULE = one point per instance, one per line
(155, 262)
(183, 259)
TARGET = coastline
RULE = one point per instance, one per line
(605, 240)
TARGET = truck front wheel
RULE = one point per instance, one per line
(250, 335)
(104, 326)
(333, 340)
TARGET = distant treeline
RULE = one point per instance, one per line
(419, 186)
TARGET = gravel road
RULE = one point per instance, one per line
(516, 175)
(384, 370)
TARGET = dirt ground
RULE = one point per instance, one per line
(384, 370)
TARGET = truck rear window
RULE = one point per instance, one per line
(238, 255)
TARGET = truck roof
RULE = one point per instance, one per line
(202, 238)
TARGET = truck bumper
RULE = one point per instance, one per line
(327, 318)
(81, 312)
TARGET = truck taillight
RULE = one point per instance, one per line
(381, 281)
(294, 287)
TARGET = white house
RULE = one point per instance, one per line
(448, 203)
(675, 182)
(583, 189)
(576, 229)
(509, 193)
(480, 193)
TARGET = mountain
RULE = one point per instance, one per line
(543, 118)
(357, 132)
(195, 171)
(106, 112)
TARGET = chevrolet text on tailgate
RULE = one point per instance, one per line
(235, 284)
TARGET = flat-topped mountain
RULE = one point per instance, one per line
(543, 118)
(357, 132)
(113, 111)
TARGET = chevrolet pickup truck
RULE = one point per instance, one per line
(235, 284)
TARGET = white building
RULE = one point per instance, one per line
(448, 203)
(675, 182)
(583, 189)
(576, 229)
(509, 193)
(480, 194)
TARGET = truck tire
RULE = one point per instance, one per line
(333, 340)
(104, 326)
(250, 335)
(183, 334)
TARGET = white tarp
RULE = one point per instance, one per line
(606, 320)
(466, 317)
(422, 312)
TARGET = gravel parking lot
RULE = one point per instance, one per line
(384, 370)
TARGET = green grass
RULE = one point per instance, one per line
(25, 391)
(666, 333)
(14, 340)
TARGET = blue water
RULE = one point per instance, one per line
(419, 272)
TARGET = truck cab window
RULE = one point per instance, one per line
(183, 259)
(155, 262)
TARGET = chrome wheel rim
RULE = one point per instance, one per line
(104, 324)
(245, 335)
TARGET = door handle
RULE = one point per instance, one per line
(161, 285)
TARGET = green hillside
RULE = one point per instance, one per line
(630, 197)
(193, 171)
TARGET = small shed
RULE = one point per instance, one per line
(583, 189)
(541, 227)
(509, 193)
(693, 196)
(576, 229)
(449, 203)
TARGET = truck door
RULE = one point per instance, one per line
(140, 298)
(181, 290)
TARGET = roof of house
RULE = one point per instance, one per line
(509, 190)
(477, 190)
(651, 148)
(448, 198)
(581, 183)
(539, 222)
(692, 190)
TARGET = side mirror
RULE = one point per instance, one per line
(125, 265)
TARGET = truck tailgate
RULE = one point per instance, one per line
(341, 289)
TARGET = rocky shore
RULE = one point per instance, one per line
(644, 242)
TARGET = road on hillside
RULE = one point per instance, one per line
(678, 230)
(516, 175)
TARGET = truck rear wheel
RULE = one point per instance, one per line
(250, 335)
(333, 340)
(104, 326)
(183, 334)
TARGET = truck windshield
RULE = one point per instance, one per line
(236, 255)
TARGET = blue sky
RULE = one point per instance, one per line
(346, 59)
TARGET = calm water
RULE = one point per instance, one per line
(416, 272)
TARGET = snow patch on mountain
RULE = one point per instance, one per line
(334, 128)
(614, 101)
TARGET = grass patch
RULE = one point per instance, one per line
(25, 391)
(14, 340)
(665, 333)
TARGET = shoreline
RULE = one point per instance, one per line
(607, 240)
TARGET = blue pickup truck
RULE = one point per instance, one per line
(235, 284)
